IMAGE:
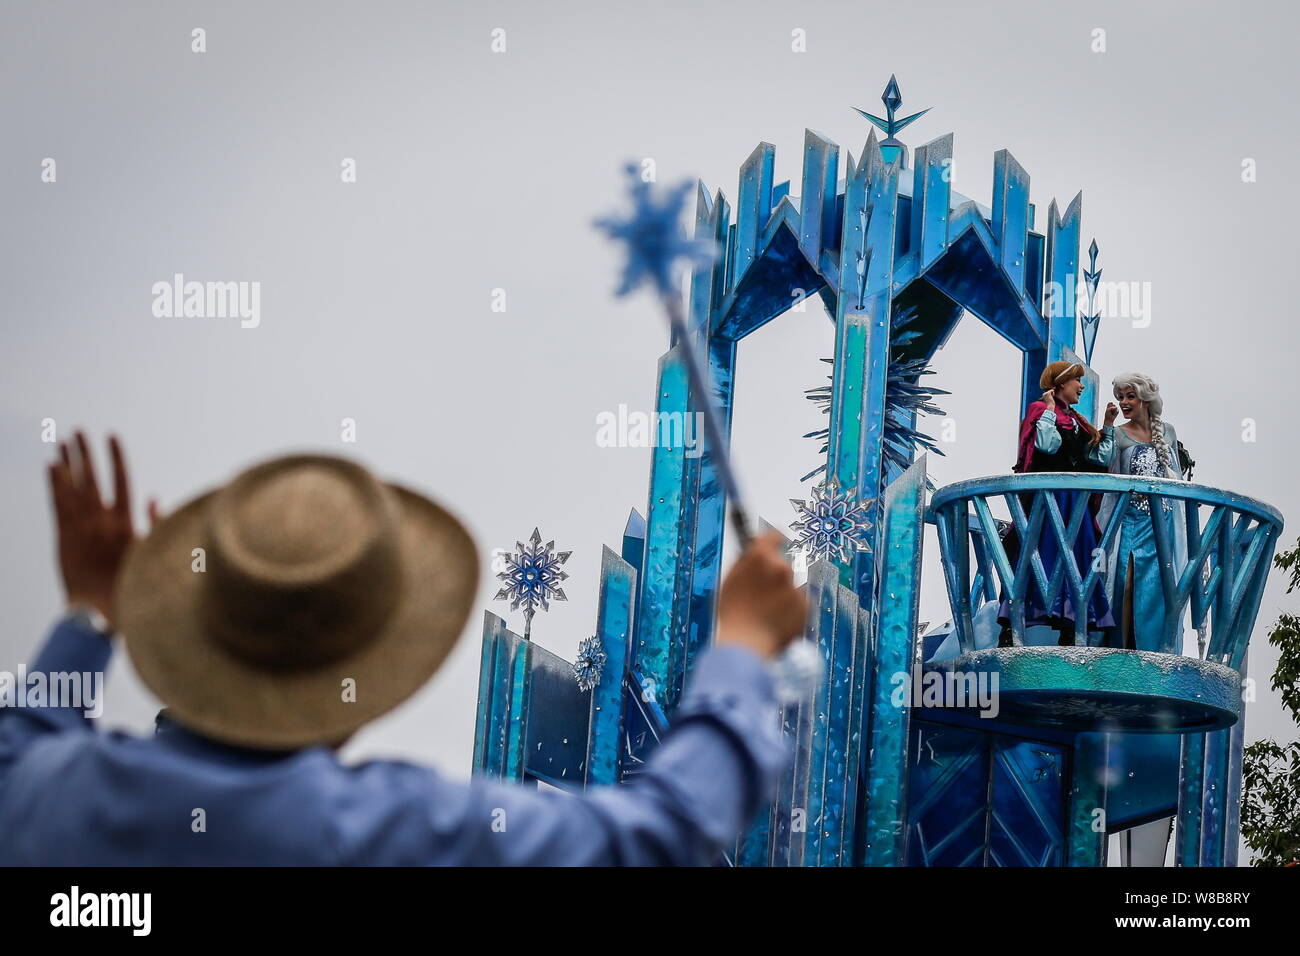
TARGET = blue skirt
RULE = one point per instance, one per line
(1098, 616)
(1137, 545)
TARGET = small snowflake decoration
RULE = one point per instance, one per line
(831, 524)
(532, 576)
(653, 233)
(589, 663)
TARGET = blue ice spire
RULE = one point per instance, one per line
(891, 148)
(1091, 320)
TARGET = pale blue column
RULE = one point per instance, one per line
(931, 194)
(1062, 272)
(1214, 793)
(501, 725)
(821, 159)
(483, 713)
(1085, 824)
(664, 560)
(855, 453)
(847, 662)
(1010, 216)
(884, 833)
(614, 631)
(823, 582)
(1191, 786)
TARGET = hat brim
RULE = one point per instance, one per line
(229, 699)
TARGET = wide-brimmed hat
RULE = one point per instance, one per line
(296, 603)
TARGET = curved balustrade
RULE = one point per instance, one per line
(1214, 550)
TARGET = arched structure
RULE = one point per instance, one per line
(921, 782)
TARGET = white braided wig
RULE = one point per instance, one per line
(1149, 392)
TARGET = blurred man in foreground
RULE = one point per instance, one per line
(277, 615)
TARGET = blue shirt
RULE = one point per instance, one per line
(71, 795)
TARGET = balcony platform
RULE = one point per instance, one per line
(1083, 689)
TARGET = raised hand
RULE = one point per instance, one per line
(93, 537)
(759, 607)
(1112, 412)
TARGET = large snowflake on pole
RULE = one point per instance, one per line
(589, 663)
(532, 577)
(831, 524)
(656, 243)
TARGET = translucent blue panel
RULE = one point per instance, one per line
(556, 745)
(948, 809)
(1027, 798)
(614, 631)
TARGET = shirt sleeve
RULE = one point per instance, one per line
(64, 699)
(713, 770)
(1104, 450)
(1046, 438)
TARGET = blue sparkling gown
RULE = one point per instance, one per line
(1135, 551)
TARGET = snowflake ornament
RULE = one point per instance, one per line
(532, 577)
(831, 524)
(589, 663)
(656, 243)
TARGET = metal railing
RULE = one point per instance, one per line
(1214, 583)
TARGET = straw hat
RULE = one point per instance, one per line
(316, 584)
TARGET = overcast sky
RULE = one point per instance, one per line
(478, 171)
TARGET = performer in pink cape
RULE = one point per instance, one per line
(1056, 437)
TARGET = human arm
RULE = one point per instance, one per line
(92, 540)
(64, 697)
(1046, 438)
(1102, 452)
(714, 768)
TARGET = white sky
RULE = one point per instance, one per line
(479, 171)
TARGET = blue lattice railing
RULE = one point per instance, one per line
(1214, 550)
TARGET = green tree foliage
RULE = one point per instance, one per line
(1270, 798)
